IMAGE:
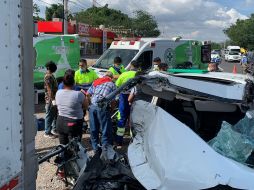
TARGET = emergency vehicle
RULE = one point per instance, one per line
(64, 50)
(175, 52)
(18, 160)
(233, 53)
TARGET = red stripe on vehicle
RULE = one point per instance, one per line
(13, 183)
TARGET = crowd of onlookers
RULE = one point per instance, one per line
(77, 96)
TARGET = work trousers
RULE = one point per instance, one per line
(124, 109)
(100, 119)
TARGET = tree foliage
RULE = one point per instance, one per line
(242, 33)
(215, 45)
(54, 11)
(96, 16)
(143, 24)
(36, 11)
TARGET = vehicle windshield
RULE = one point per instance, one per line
(235, 50)
(233, 53)
(215, 51)
(107, 59)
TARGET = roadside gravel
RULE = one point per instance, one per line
(46, 176)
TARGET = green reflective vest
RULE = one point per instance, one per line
(85, 77)
(113, 70)
(123, 78)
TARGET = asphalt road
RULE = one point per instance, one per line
(228, 66)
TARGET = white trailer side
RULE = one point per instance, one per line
(18, 162)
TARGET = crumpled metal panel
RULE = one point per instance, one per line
(166, 154)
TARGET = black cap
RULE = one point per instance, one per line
(157, 59)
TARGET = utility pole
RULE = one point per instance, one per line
(94, 3)
(65, 20)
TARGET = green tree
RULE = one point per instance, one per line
(242, 33)
(142, 24)
(215, 45)
(54, 11)
(145, 25)
(96, 16)
(36, 11)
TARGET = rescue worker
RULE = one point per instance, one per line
(84, 77)
(156, 62)
(50, 86)
(124, 107)
(117, 69)
(100, 118)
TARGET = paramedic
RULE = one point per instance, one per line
(100, 118)
(124, 107)
(84, 77)
(117, 69)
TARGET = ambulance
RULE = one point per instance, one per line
(176, 52)
(64, 50)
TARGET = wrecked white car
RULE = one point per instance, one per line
(193, 131)
(170, 149)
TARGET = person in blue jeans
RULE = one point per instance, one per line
(50, 87)
(100, 118)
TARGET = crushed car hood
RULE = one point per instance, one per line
(166, 154)
(218, 84)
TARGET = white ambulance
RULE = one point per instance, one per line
(233, 53)
(175, 52)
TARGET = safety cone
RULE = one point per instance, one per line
(234, 69)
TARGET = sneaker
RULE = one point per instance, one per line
(50, 135)
(54, 132)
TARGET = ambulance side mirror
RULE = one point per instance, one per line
(206, 53)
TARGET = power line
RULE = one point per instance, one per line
(136, 5)
(78, 5)
(98, 3)
(81, 3)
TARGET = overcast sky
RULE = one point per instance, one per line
(197, 19)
